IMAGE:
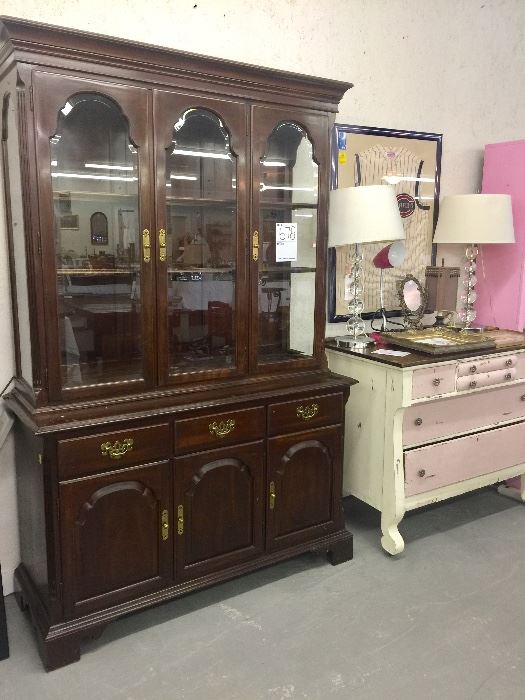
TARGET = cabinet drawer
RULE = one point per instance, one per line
(301, 414)
(428, 468)
(477, 381)
(433, 381)
(107, 451)
(215, 429)
(488, 364)
(461, 414)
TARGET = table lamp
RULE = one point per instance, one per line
(392, 255)
(474, 219)
(365, 214)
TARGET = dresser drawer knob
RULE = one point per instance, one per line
(508, 363)
(473, 369)
(473, 384)
(523, 397)
(436, 381)
(421, 472)
(418, 421)
(508, 376)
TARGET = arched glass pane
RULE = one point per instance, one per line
(288, 215)
(201, 213)
(94, 174)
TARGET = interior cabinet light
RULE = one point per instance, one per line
(104, 166)
(200, 154)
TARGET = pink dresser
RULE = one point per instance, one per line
(425, 428)
(501, 269)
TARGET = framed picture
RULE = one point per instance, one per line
(69, 222)
(409, 161)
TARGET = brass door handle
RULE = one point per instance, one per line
(255, 245)
(165, 525)
(272, 495)
(162, 245)
(146, 246)
(180, 520)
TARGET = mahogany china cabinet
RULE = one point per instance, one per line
(177, 424)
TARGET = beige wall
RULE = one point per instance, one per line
(451, 66)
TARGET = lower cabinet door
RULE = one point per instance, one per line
(304, 486)
(116, 537)
(219, 509)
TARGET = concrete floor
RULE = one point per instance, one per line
(445, 620)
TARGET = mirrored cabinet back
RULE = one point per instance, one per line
(177, 424)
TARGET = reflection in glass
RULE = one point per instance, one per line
(94, 174)
(288, 216)
(201, 243)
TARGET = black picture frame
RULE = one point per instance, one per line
(420, 150)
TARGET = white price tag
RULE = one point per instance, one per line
(285, 242)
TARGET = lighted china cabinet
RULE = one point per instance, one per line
(178, 425)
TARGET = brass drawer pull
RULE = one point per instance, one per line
(421, 472)
(418, 421)
(180, 520)
(473, 384)
(473, 369)
(222, 428)
(117, 449)
(436, 381)
(162, 245)
(165, 525)
(307, 412)
(146, 246)
(272, 495)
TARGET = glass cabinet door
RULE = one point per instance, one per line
(285, 223)
(101, 250)
(201, 210)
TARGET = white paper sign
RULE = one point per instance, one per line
(285, 242)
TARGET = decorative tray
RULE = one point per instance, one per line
(439, 341)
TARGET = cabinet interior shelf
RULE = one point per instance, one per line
(182, 270)
(280, 268)
(91, 272)
(199, 202)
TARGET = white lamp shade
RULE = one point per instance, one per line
(364, 214)
(475, 218)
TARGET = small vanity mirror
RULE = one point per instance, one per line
(413, 300)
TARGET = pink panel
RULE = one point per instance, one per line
(501, 283)
(428, 468)
(433, 381)
(460, 414)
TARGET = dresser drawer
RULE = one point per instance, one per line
(216, 429)
(478, 381)
(80, 456)
(467, 368)
(461, 414)
(300, 414)
(428, 468)
(433, 381)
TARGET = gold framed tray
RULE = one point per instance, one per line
(439, 341)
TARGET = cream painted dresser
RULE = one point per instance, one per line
(422, 429)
